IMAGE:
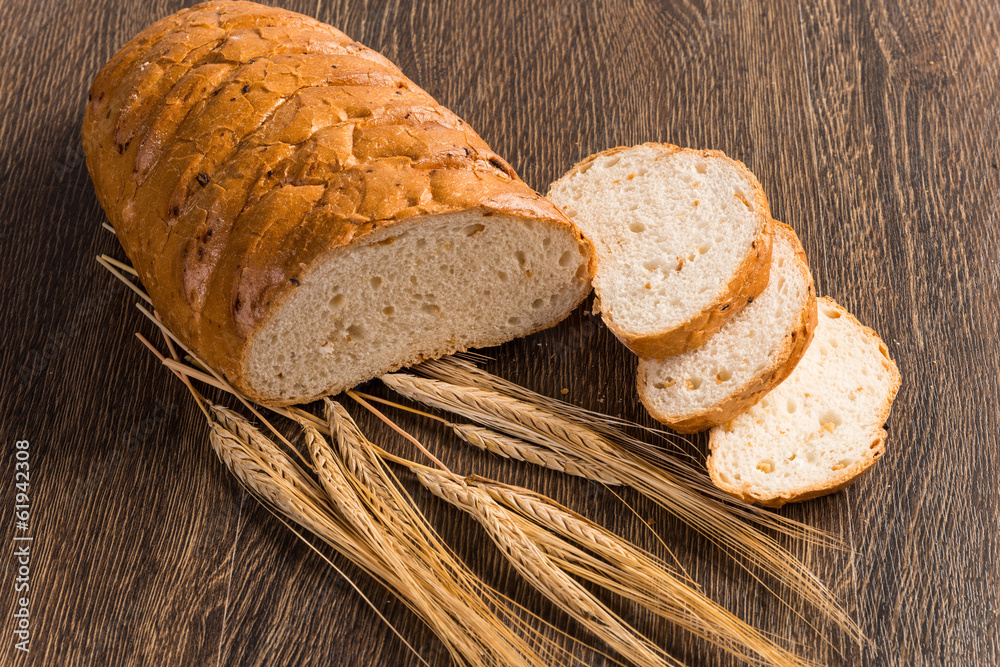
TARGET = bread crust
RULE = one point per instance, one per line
(793, 346)
(846, 476)
(233, 146)
(747, 282)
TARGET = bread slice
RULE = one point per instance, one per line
(748, 357)
(820, 429)
(683, 241)
(422, 289)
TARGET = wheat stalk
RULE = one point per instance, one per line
(429, 559)
(514, 417)
(446, 596)
(538, 569)
(461, 370)
(613, 564)
(564, 437)
(515, 448)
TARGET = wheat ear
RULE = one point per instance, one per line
(495, 410)
(515, 448)
(472, 608)
(590, 552)
(539, 570)
(261, 456)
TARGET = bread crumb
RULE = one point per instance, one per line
(564, 391)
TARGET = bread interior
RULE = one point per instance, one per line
(418, 289)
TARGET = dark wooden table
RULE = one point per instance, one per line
(875, 129)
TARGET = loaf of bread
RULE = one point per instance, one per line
(820, 429)
(303, 216)
(753, 353)
(683, 241)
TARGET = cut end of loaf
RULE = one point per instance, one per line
(682, 238)
(819, 430)
(417, 290)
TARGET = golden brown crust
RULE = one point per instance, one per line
(747, 282)
(232, 145)
(793, 347)
(846, 476)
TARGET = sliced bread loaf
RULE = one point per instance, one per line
(303, 216)
(820, 429)
(683, 241)
(748, 357)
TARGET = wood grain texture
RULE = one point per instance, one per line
(875, 131)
